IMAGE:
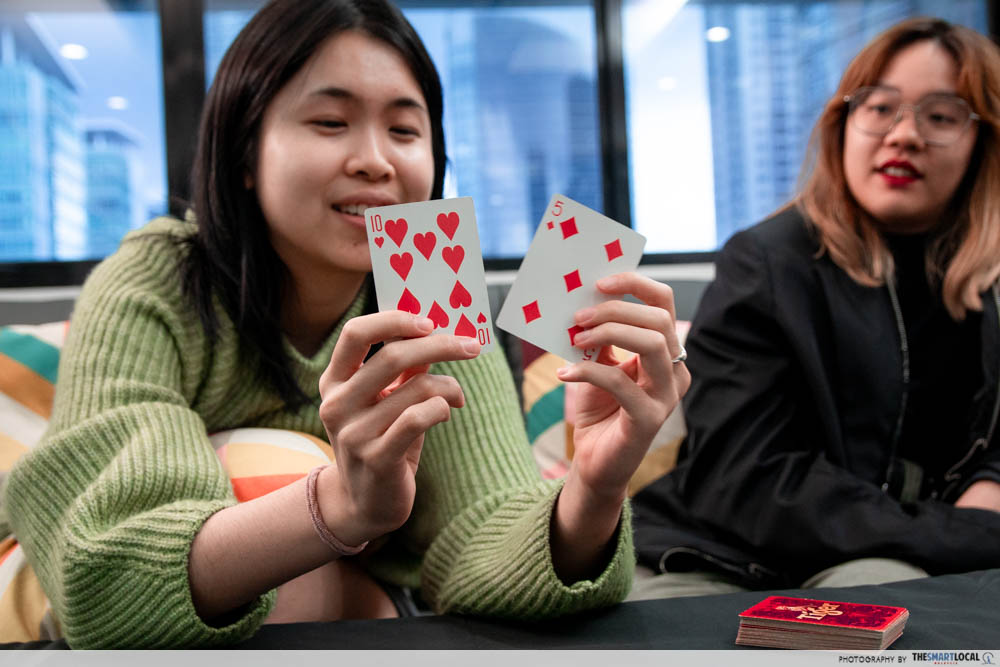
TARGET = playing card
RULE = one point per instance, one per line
(426, 260)
(573, 248)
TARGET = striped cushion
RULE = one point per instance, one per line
(544, 400)
(261, 460)
(257, 460)
(29, 363)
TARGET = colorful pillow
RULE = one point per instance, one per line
(29, 363)
(257, 460)
(261, 460)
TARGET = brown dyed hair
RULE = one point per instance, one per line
(964, 255)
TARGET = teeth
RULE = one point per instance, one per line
(353, 209)
(902, 172)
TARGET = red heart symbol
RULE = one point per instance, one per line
(425, 243)
(438, 315)
(396, 229)
(459, 296)
(465, 328)
(453, 256)
(448, 222)
(402, 264)
(408, 302)
(379, 241)
(481, 318)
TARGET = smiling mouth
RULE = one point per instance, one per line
(899, 172)
(352, 209)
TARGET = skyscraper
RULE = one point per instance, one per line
(112, 185)
(533, 103)
(768, 83)
(41, 153)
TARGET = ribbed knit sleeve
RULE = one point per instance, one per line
(482, 515)
(107, 505)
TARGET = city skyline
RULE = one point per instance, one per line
(72, 81)
(721, 97)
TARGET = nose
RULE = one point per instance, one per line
(368, 157)
(904, 130)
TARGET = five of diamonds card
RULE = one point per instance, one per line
(426, 260)
(572, 249)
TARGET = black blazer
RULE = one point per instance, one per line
(796, 394)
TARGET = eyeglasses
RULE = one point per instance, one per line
(941, 118)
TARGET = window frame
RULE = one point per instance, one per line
(183, 77)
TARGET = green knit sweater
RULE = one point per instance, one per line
(107, 505)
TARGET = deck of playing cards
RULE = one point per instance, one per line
(780, 622)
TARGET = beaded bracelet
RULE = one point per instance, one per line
(317, 518)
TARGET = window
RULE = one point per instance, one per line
(722, 96)
(719, 99)
(81, 92)
(521, 110)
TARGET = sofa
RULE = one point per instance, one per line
(29, 361)
(946, 612)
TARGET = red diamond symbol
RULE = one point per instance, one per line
(568, 227)
(573, 280)
(549, 224)
(531, 312)
(573, 331)
(614, 250)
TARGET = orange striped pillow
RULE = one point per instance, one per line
(29, 363)
(261, 460)
(257, 460)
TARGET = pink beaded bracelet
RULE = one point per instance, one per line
(321, 529)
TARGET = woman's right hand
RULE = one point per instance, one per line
(376, 413)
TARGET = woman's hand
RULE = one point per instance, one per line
(620, 407)
(984, 495)
(376, 413)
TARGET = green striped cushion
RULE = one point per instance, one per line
(29, 364)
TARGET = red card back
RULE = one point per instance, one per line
(825, 612)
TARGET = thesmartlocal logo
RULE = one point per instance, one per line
(954, 657)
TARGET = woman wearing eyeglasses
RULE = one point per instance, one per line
(843, 413)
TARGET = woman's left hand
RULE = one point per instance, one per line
(620, 407)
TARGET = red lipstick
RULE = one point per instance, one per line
(899, 173)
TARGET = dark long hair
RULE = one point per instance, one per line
(230, 256)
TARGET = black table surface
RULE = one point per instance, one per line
(960, 611)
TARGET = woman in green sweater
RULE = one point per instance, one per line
(261, 314)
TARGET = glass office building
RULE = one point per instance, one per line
(720, 98)
(42, 174)
(81, 130)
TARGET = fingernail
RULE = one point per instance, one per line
(581, 337)
(424, 324)
(585, 315)
(607, 282)
(470, 345)
(562, 372)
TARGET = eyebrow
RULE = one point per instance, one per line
(953, 93)
(344, 94)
